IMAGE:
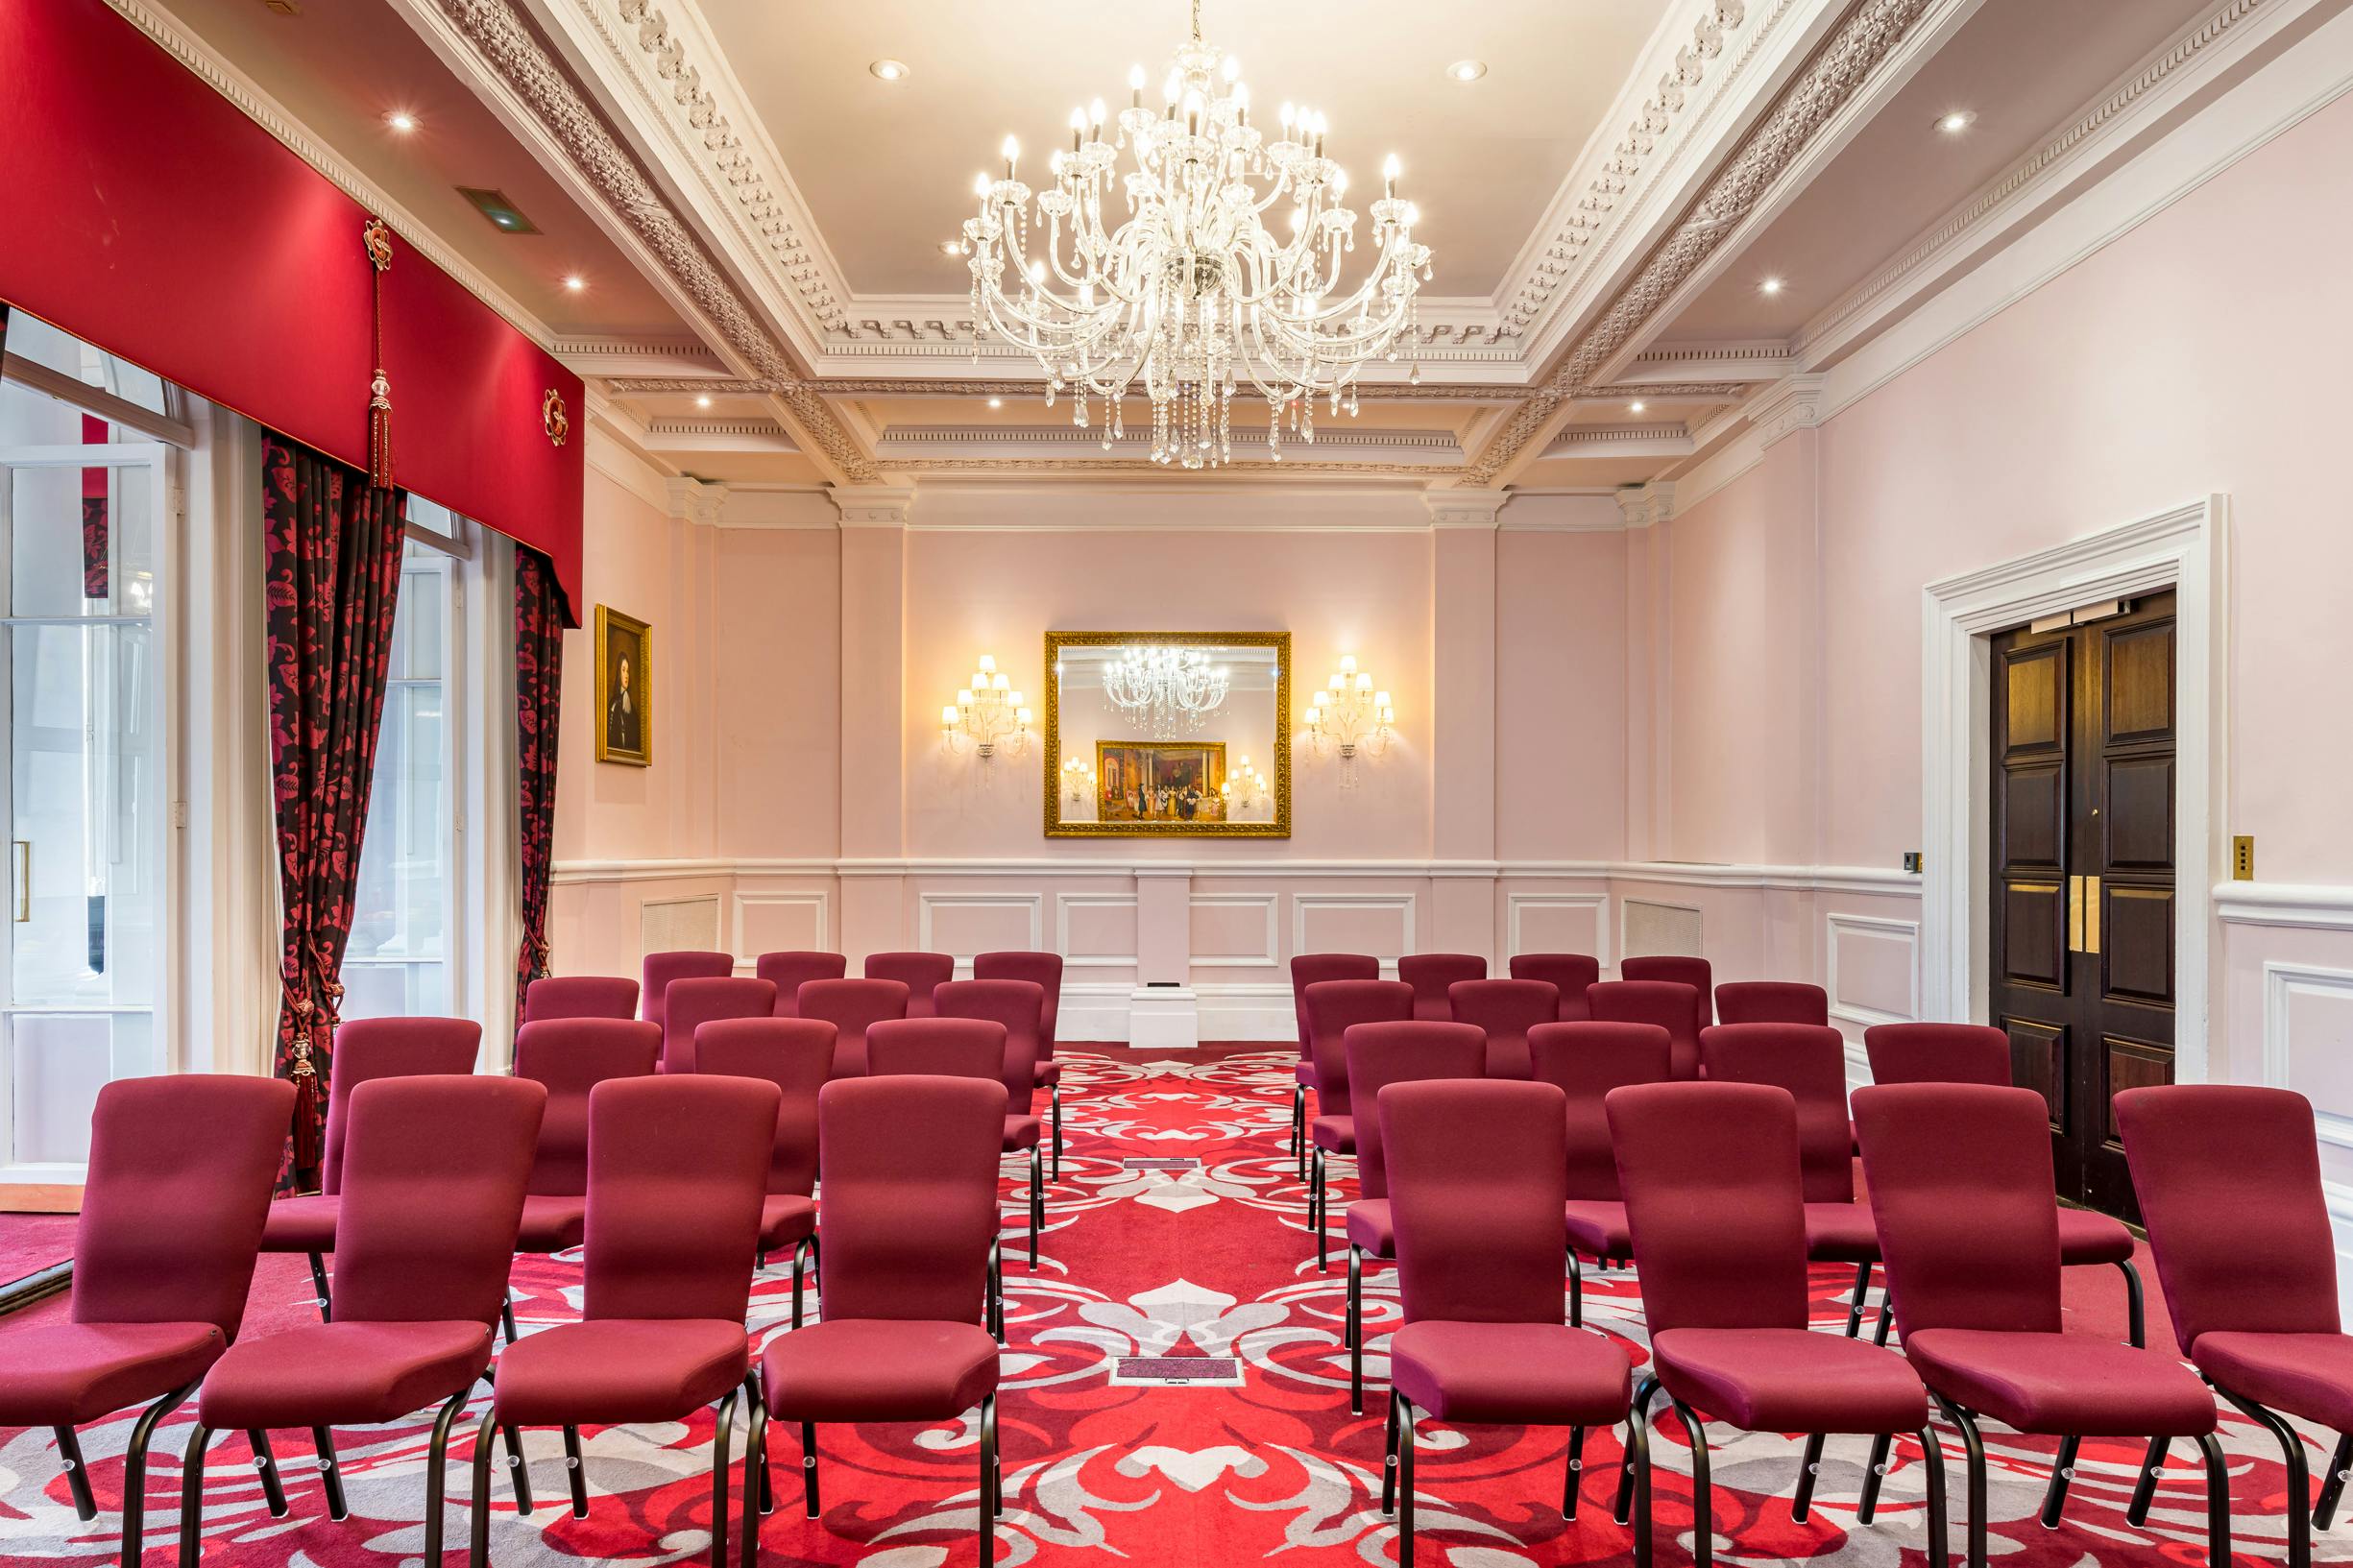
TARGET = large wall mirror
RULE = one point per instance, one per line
(1168, 735)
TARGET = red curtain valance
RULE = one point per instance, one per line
(142, 212)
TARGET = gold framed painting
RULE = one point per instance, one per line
(624, 689)
(1168, 735)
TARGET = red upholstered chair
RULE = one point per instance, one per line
(1667, 1004)
(1306, 970)
(366, 1049)
(851, 1007)
(1044, 970)
(579, 995)
(568, 1058)
(702, 999)
(919, 972)
(1677, 969)
(1333, 1007)
(1961, 1188)
(432, 1194)
(970, 1047)
(1379, 1055)
(1430, 973)
(1476, 1185)
(1569, 972)
(911, 1226)
(180, 1176)
(2230, 1183)
(1584, 1061)
(1715, 1204)
(787, 970)
(677, 1169)
(661, 968)
(1979, 1053)
(1507, 1010)
(797, 1054)
(1772, 1001)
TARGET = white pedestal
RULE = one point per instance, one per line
(1163, 1018)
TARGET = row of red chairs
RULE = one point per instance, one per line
(433, 1192)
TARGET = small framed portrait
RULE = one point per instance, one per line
(624, 689)
(1143, 781)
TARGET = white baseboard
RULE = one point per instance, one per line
(1099, 1013)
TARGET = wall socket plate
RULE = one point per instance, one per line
(1911, 860)
(2243, 858)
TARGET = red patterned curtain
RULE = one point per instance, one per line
(333, 575)
(539, 683)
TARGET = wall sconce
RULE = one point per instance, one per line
(1246, 790)
(1079, 781)
(1348, 717)
(986, 714)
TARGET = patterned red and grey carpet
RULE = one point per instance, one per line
(1213, 1261)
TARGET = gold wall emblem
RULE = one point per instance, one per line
(553, 416)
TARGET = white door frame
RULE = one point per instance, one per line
(2183, 549)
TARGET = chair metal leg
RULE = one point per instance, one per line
(517, 1468)
(1037, 1201)
(2062, 1471)
(1932, 1457)
(317, 1286)
(1887, 1319)
(135, 1473)
(1855, 1310)
(330, 1474)
(1576, 1291)
(1973, 1447)
(192, 1495)
(2218, 1502)
(1873, 1474)
(2136, 1312)
(1354, 1332)
(991, 1505)
(478, 1541)
(1315, 1208)
(1405, 1480)
(265, 1466)
(506, 1320)
(1574, 1471)
(1638, 1459)
(77, 1475)
(1803, 1501)
(718, 1478)
(1057, 1131)
(2332, 1486)
(1389, 1458)
(800, 1260)
(2299, 1475)
(992, 1311)
(2144, 1488)
(1702, 1493)
(809, 1467)
(756, 1433)
(1298, 1128)
(575, 1473)
(1643, 1392)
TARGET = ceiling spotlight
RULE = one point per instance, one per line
(703, 402)
(575, 282)
(1636, 406)
(889, 70)
(951, 247)
(1956, 122)
(1771, 286)
(401, 120)
(1466, 70)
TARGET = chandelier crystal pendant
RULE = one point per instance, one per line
(1190, 294)
(1164, 689)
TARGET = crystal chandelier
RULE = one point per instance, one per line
(1164, 689)
(1192, 293)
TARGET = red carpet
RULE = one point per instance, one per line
(29, 1243)
(1206, 1262)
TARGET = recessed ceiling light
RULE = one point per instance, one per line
(1636, 406)
(1956, 122)
(951, 247)
(401, 120)
(889, 70)
(996, 402)
(1771, 286)
(575, 282)
(1466, 70)
(703, 402)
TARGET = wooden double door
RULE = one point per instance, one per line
(2082, 910)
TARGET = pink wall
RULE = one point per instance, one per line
(1559, 775)
(779, 713)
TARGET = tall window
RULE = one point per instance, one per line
(402, 957)
(82, 491)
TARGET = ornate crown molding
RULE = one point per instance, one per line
(893, 387)
(955, 442)
(1790, 405)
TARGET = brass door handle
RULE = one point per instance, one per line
(2090, 914)
(2083, 914)
(2074, 914)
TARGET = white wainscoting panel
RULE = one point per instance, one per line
(2308, 1018)
(1556, 923)
(1870, 968)
(1381, 924)
(964, 923)
(1235, 930)
(781, 923)
(1095, 930)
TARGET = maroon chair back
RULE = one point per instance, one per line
(1666, 1003)
(797, 1054)
(1314, 968)
(1333, 1007)
(1938, 1053)
(921, 973)
(939, 1048)
(1584, 1061)
(2229, 1182)
(177, 1188)
(432, 1197)
(788, 971)
(1713, 1203)
(368, 1048)
(1680, 969)
(1016, 1004)
(1810, 1063)
(852, 1008)
(661, 968)
(579, 995)
(1380, 1055)
(569, 1057)
(1430, 973)
(910, 1195)
(1961, 1195)
(677, 1171)
(1476, 1193)
(1570, 973)
(698, 1001)
(1507, 1010)
(1043, 970)
(1772, 1001)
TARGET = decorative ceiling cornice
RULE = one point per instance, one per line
(894, 387)
(511, 48)
(1841, 65)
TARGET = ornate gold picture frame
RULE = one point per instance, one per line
(1124, 759)
(624, 689)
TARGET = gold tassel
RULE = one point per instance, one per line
(377, 237)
